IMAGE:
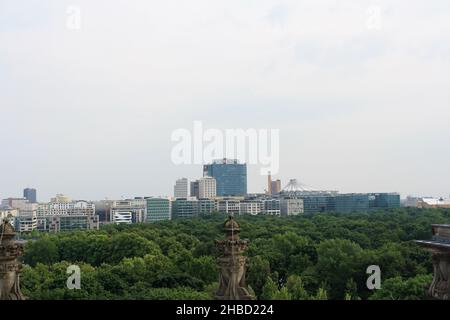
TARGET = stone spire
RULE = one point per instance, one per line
(231, 264)
(10, 268)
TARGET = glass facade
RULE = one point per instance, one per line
(206, 206)
(184, 208)
(272, 207)
(158, 209)
(71, 222)
(30, 195)
(386, 200)
(314, 204)
(231, 177)
(351, 202)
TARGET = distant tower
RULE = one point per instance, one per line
(10, 268)
(273, 186)
(194, 189)
(230, 175)
(276, 187)
(180, 189)
(207, 188)
(30, 195)
(232, 267)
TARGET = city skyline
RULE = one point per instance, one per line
(182, 187)
(358, 91)
(188, 191)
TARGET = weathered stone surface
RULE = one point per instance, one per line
(439, 246)
(232, 264)
(9, 266)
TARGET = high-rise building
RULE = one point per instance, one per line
(230, 175)
(30, 195)
(158, 209)
(180, 189)
(195, 189)
(207, 188)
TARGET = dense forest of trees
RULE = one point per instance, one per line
(323, 256)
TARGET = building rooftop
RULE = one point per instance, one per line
(226, 161)
(296, 186)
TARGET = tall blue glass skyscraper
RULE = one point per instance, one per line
(230, 175)
(30, 195)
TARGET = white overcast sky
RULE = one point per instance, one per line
(360, 91)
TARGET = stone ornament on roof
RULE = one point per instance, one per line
(10, 268)
(232, 264)
(439, 247)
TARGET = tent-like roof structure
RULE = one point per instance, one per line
(295, 186)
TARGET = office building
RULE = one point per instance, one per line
(180, 189)
(229, 206)
(185, 208)
(385, 200)
(77, 207)
(128, 211)
(15, 203)
(251, 207)
(206, 206)
(158, 209)
(230, 175)
(194, 192)
(207, 188)
(271, 207)
(71, 223)
(26, 218)
(346, 203)
(30, 195)
(102, 209)
(65, 214)
(291, 207)
(351, 202)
